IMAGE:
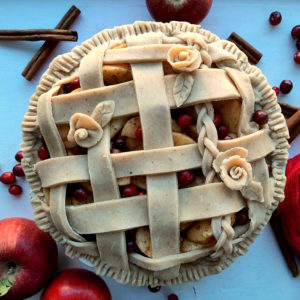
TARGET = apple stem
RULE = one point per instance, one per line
(5, 286)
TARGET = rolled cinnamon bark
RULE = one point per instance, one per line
(287, 109)
(252, 53)
(294, 121)
(38, 34)
(44, 52)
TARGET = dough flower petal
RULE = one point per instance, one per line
(84, 130)
(235, 172)
(184, 58)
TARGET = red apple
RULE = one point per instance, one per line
(193, 11)
(76, 284)
(28, 257)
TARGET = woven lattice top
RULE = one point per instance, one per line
(139, 77)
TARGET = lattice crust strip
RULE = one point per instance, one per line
(151, 94)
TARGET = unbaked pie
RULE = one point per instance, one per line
(143, 157)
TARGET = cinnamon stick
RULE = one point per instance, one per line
(252, 53)
(283, 244)
(38, 34)
(293, 121)
(294, 134)
(287, 109)
(44, 52)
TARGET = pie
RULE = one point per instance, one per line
(143, 156)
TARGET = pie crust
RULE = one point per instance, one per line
(172, 66)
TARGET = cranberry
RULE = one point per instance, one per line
(184, 121)
(297, 57)
(186, 177)
(270, 169)
(18, 170)
(71, 187)
(298, 44)
(15, 189)
(260, 117)
(115, 151)
(129, 191)
(276, 89)
(227, 137)
(19, 156)
(120, 144)
(218, 118)
(8, 178)
(286, 86)
(79, 150)
(130, 234)
(275, 18)
(139, 133)
(154, 289)
(131, 247)
(71, 86)
(241, 217)
(296, 32)
(173, 297)
(222, 131)
(81, 194)
(43, 153)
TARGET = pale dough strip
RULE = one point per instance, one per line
(158, 264)
(137, 54)
(206, 88)
(158, 52)
(90, 69)
(111, 246)
(56, 148)
(195, 203)
(243, 85)
(162, 189)
(74, 168)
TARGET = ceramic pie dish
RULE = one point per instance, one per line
(139, 181)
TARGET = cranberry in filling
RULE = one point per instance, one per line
(71, 86)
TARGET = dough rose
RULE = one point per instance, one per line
(233, 168)
(84, 130)
(236, 172)
(184, 58)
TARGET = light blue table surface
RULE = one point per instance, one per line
(262, 273)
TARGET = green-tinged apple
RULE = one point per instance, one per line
(193, 11)
(76, 284)
(28, 258)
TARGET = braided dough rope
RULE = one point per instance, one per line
(207, 144)
(69, 62)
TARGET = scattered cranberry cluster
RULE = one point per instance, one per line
(155, 289)
(296, 35)
(286, 85)
(10, 177)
